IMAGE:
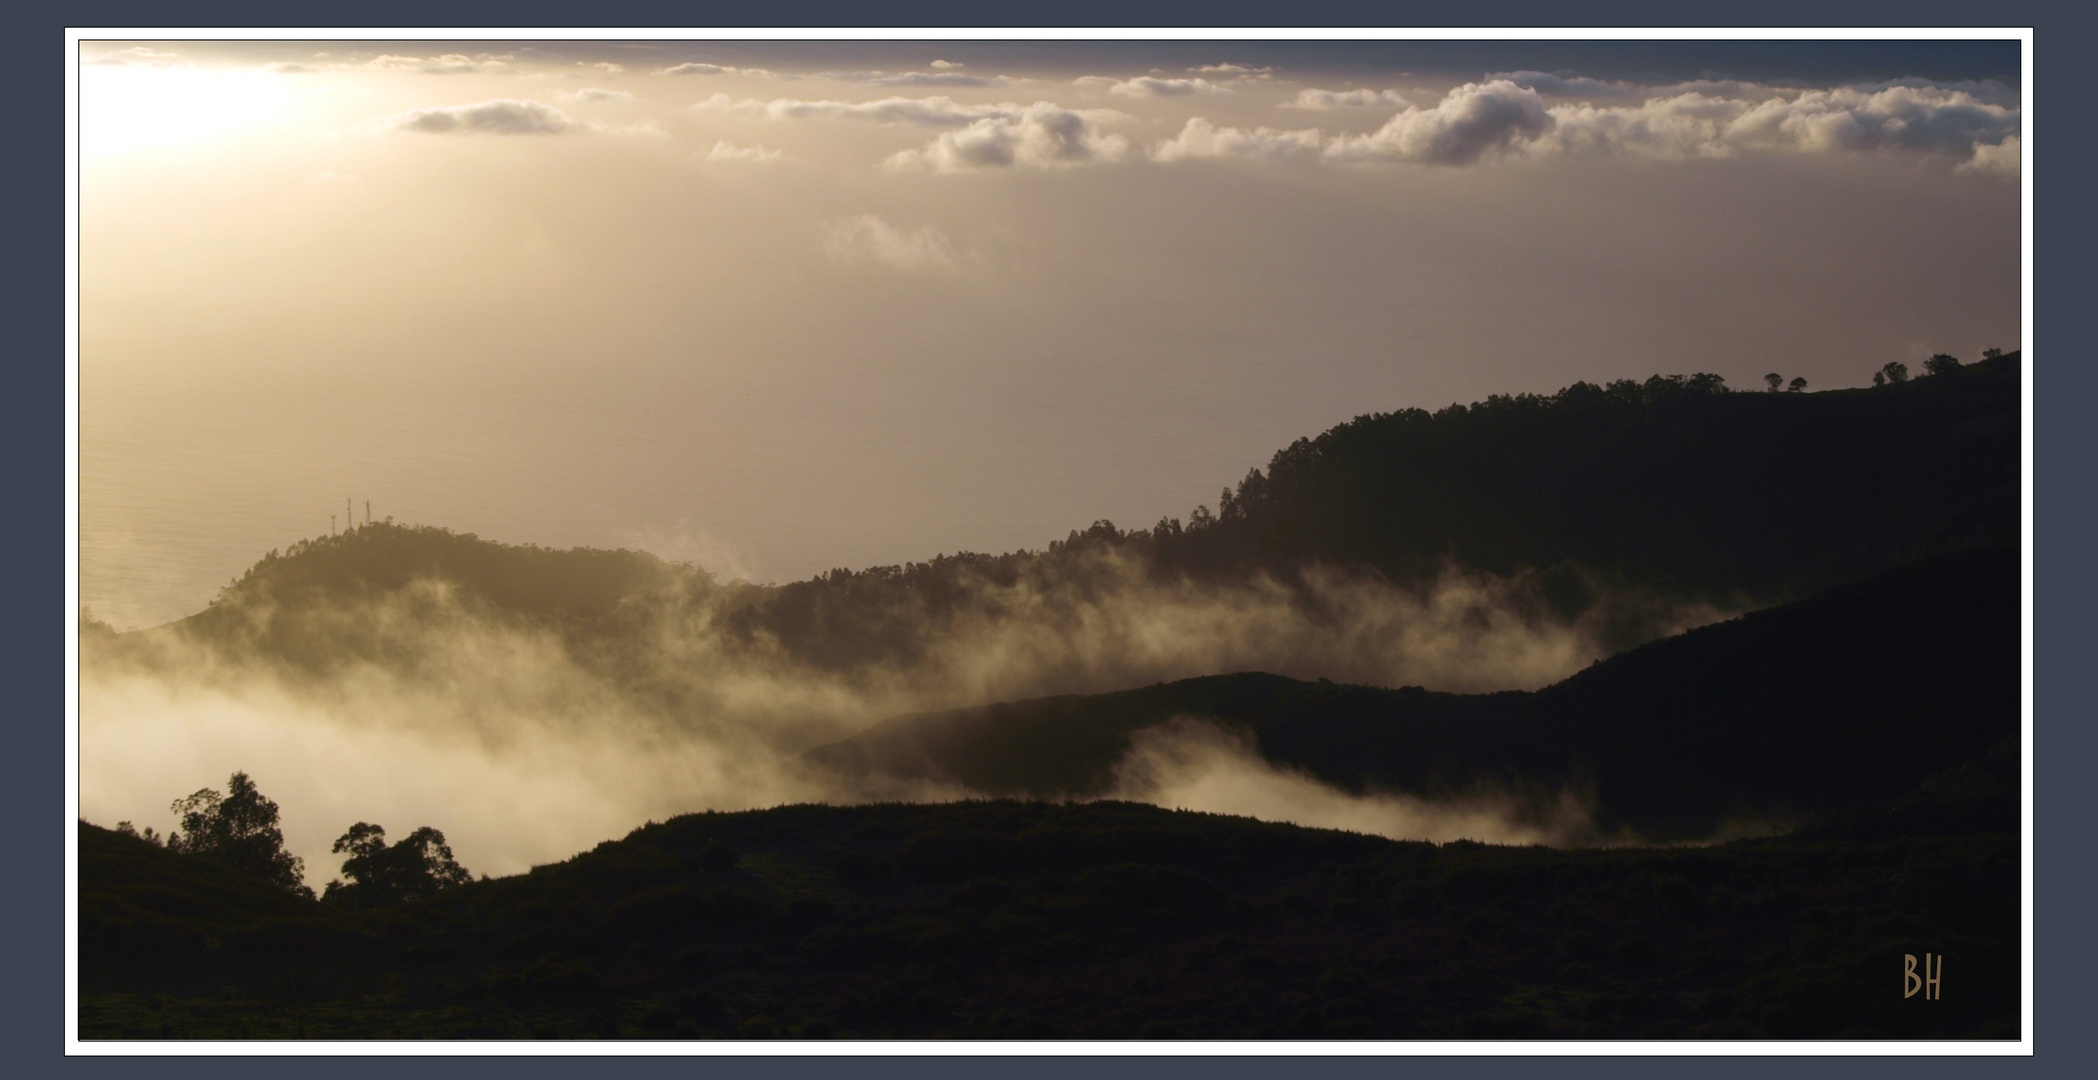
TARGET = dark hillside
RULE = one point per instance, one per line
(1622, 497)
(1623, 500)
(1108, 920)
(1672, 483)
(1852, 696)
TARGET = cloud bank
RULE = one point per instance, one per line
(499, 117)
(1041, 136)
(1505, 118)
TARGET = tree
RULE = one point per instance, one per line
(1796, 385)
(1894, 372)
(419, 865)
(238, 829)
(1775, 381)
(1941, 364)
(1991, 354)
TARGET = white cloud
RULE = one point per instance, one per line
(646, 128)
(1232, 69)
(929, 111)
(1470, 121)
(1545, 82)
(137, 55)
(1916, 118)
(1999, 158)
(911, 78)
(286, 67)
(1311, 98)
(1476, 120)
(869, 238)
(753, 155)
(716, 70)
(499, 117)
(947, 64)
(1152, 86)
(1041, 135)
(592, 93)
(1202, 139)
(604, 66)
(447, 64)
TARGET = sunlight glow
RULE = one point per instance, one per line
(125, 109)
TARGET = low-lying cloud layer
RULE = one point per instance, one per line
(1510, 117)
(1189, 764)
(525, 743)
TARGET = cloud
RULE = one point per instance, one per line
(928, 111)
(754, 155)
(1232, 69)
(447, 64)
(1202, 139)
(947, 64)
(646, 128)
(604, 66)
(1310, 98)
(1470, 121)
(870, 238)
(1152, 86)
(592, 93)
(1974, 123)
(1998, 158)
(1189, 764)
(136, 56)
(286, 67)
(499, 117)
(697, 68)
(1563, 85)
(1913, 118)
(1041, 135)
(911, 78)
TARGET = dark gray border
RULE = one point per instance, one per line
(33, 595)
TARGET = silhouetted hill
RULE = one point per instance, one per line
(1673, 483)
(1623, 499)
(1848, 697)
(1101, 920)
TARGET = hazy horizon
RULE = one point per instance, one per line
(775, 308)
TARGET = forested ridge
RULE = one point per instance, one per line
(1629, 497)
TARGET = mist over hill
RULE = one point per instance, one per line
(1620, 512)
(1475, 551)
(1767, 720)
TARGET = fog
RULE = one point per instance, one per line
(525, 745)
(1189, 764)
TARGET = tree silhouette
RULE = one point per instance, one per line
(1797, 385)
(1941, 364)
(1894, 372)
(419, 865)
(1991, 354)
(1775, 381)
(238, 829)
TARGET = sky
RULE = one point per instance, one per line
(779, 307)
